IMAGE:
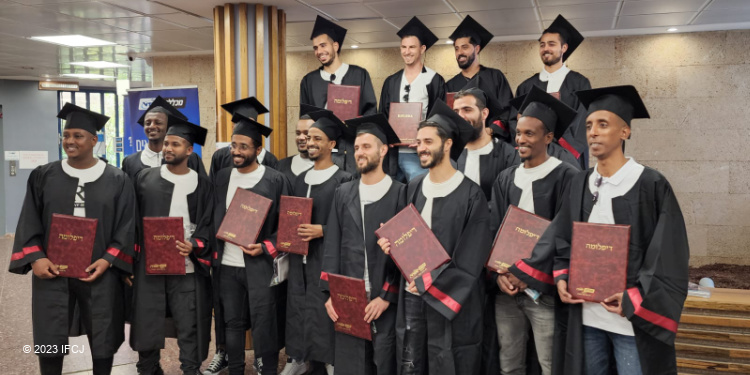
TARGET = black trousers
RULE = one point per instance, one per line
(414, 356)
(236, 311)
(54, 365)
(181, 303)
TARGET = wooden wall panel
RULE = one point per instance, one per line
(221, 133)
(281, 132)
(273, 41)
(242, 45)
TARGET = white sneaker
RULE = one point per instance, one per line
(329, 368)
(294, 368)
(218, 364)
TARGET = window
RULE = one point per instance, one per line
(107, 103)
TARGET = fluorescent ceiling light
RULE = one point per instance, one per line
(99, 64)
(73, 40)
(87, 75)
(448, 41)
(672, 29)
(355, 47)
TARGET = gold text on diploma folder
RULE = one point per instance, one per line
(70, 237)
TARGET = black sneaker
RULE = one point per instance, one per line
(218, 364)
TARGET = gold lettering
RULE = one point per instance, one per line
(342, 101)
(599, 247)
(585, 291)
(158, 267)
(344, 326)
(70, 237)
(527, 233)
(163, 237)
(248, 208)
(230, 235)
(500, 264)
(62, 267)
(284, 245)
(347, 298)
(405, 237)
(294, 213)
(404, 115)
(418, 271)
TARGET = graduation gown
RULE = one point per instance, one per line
(345, 247)
(657, 271)
(222, 158)
(285, 167)
(132, 164)
(110, 199)
(493, 82)
(309, 332)
(574, 138)
(503, 156)
(150, 324)
(453, 294)
(560, 152)
(263, 299)
(314, 90)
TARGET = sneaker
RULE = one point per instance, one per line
(294, 368)
(218, 364)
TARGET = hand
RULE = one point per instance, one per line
(331, 312)
(128, 280)
(506, 286)
(413, 145)
(309, 232)
(502, 271)
(384, 244)
(413, 287)
(253, 250)
(562, 290)
(375, 308)
(185, 247)
(96, 269)
(44, 269)
(613, 304)
(517, 282)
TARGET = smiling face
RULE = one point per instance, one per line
(176, 150)
(412, 50)
(368, 152)
(605, 132)
(466, 53)
(318, 144)
(78, 143)
(244, 152)
(551, 48)
(431, 148)
(325, 49)
(532, 138)
(155, 126)
(303, 125)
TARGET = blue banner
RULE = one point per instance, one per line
(185, 99)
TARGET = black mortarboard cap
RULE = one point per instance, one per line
(250, 128)
(471, 28)
(190, 132)
(376, 125)
(623, 101)
(570, 35)
(517, 101)
(553, 113)
(247, 108)
(457, 128)
(306, 109)
(415, 27)
(334, 31)
(161, 102)
(79, 118)
(327, 122)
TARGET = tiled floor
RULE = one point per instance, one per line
(15, 332)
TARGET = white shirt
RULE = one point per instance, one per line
(184, 185)
(262, 155)
(594, 315)
(340, 73)
(300, 164)
(84, 176)
(555, 79)
(150, 158)
(471, 169)
(369, 194)
(526, 176)
(417, 93)
(233, 255)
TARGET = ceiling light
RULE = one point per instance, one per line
(87, 75)
(73, 40)
(672, 29)
(355, 47)
(448, 41)
(99, 64)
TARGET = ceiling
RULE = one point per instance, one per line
(144, 28)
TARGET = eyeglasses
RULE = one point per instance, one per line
(407, 88)
(333, 77)
(597, 183)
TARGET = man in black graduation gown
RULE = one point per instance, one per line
(155, 122)
(359, 207)
(556, 44)
(641, 322)
(250, 108)
(309, 330)
(469, 39)
(174, 190)
(293, 166)
(538, 186)
(439, 320)
(82, 186)
(553, 149)
(416, 83)
(243, 274)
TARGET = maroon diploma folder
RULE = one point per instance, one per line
(516, 238)
(349, 300)
(414, 248)
(293, 211)
(598, 260)
(244, 218)
(449, 98)
(160, 236)
(404, 118)
(343, 101)
(71, 244)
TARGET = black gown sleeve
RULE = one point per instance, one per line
(368, 104)
(195, 163)
(28, 244)
(202, 237)
(120, 250)
(332, 241)
(385, 98)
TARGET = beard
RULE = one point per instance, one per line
(554, 60)
(437, 157)
(175, 160)
(478, 126)
(469, 60)
(371, 165)
(246, 161)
